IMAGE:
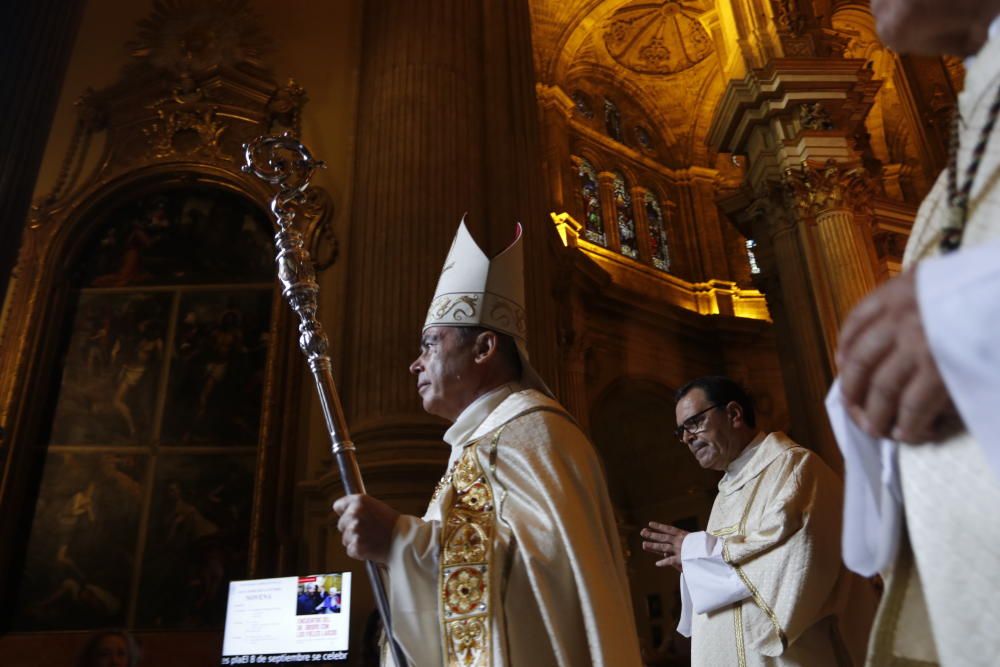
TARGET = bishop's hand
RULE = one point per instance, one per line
(365, 526)
(666, 541)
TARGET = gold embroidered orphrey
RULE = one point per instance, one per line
(466, 547)
(740, 529)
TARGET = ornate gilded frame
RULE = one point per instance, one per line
(162, 129)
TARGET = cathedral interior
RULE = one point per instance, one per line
(706, 187)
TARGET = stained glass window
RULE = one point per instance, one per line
(612, 120)
(657, 233)
(752, 257)
(582, 104)
(642, 136)
(625, 216)
(593, 222)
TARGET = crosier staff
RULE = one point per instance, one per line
(284, 162)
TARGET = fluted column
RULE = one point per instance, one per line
(828, 196)
(847, 263)
(785, 255)
(797, 122)
(447, 125)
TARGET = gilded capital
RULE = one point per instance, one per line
(812, 189)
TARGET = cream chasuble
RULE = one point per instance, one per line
(517, 559)
(942, 601)
(778, 514)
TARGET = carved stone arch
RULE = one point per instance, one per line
(631, 176)
(667, 203)
(657, 189)
(597, 160)
(709, 96)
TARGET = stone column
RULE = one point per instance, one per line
(606, 188)
(828, 197)
(642, 239)
(448, 124)
(796, 298)
(796, 121)
(564, 185)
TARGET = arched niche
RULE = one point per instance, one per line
(151, 405)
(150, 399)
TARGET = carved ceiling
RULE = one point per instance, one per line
(651, 39)
(657, 53)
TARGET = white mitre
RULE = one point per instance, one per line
(475, 291)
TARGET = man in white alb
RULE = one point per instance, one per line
(763, 584)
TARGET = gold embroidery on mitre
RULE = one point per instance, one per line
(453, 308)
(466, 547)
(505, 315)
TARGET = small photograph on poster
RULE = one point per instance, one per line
(319, 594)
(288, 620)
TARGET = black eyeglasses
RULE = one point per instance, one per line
(694, 424)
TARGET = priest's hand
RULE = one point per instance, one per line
(891, 384)
(365, 526)
(664, 541)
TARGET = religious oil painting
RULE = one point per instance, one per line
(81, 555)
(217, 368)
(183, 236)
(144, 506)
(112, 369)
(197, 543)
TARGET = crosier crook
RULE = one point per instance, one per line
(284, 162)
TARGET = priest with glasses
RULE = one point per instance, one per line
(763, 584)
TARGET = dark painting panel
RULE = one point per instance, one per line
(81, 551)
(112, 369)
(181, 236)
(197, 541)
(217, 368)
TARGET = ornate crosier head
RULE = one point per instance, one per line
(285, 162)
